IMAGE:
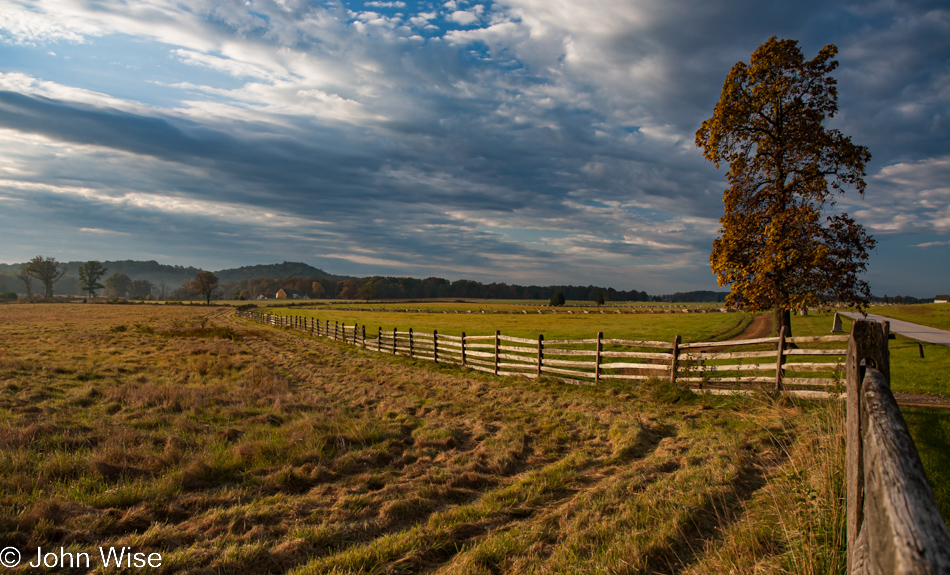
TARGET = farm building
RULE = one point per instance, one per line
(942, 299)
(290, 294)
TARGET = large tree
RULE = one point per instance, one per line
(89, 275)
(780, 246)
(46, 270)
(206, 284)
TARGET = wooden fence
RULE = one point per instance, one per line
(803, 366)
(894, 525)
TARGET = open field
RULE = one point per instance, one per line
(562, 325)
(229, 447)
(487, 305)
(909, 372)
(930, 314)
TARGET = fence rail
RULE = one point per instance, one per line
(808, 366)
(894, 525)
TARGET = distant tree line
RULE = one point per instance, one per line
(378, 287)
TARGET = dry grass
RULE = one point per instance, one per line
(233, 448)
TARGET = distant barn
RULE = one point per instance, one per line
(290, 294)
(942, 299)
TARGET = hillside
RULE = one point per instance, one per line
(275, 271)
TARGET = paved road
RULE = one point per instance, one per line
(907, 329)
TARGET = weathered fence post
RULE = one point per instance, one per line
(600, 348)
(336, 330)
(497, 333)
(893, 523)
(394, 341)
(463, 348)
(379, 338)
(540, 352)
(354, 334)
(410, 343)
(435, 345)
(674, 361)
(363, 335)
(780, 359)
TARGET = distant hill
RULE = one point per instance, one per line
(157, 273)
(274, 271)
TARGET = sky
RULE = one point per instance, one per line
(524, 141)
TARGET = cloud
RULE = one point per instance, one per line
(520, 139)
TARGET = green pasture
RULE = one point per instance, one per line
(692, 327)
(479, 305)
(930, 314)
(930, 428)
(909, 372)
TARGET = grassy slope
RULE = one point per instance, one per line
(145, 427)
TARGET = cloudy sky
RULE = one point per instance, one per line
(529, 141)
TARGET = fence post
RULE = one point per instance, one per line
(435, 345)
(410, 343)
(327, 329)
(379, 338)
(780, 359)
(893, 523)
(363, 335)
(866, 348)
(600, 347)
(497, 333)
(540, 352)
(674, 362)
(394, 341)
(463, 348)
(354, 334)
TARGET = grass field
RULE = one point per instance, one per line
(229, 447)
(931, 314)
(661, 326)
(909, 372)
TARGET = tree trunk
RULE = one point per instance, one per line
(782, 317)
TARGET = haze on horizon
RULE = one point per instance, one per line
(525, 141)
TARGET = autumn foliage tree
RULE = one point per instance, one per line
(779, 247)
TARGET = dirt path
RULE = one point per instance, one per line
(761, 326)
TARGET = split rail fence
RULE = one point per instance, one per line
(893, 523)
(804, 366)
